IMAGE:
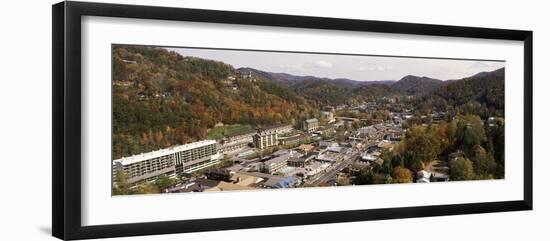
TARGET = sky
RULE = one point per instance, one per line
(362, 68)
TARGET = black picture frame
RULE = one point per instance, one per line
(66, 127)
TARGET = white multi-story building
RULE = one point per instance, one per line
(276, 164)
(311, 125)
(170, 161)
(266, 138)
(235, 142)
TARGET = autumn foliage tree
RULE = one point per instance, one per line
(402, 175)
(461, 169)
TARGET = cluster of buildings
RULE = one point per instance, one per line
(284, 168)
(188, 158)
(170, 161)
(237, 181)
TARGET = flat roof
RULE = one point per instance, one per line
(282, 158)
(163, 152)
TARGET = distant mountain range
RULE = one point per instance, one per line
(291, 80)
(408, 85)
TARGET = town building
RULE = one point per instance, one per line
(198, 185)
(327, 144)
(273, 181)
(170, 161)
(305, 148)
(243, 179)
(276, 164)
(265, 138)
(311, 125)
(235, 142)
(293, 139)
(348, 121)
(280, 128)
(329, 157)
(297, 162)
(218, 175)
(280, 182)
(328, 116)
(228, 186)
(315, 168)
(423, 176)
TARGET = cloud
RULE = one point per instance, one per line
(320, 64)
(323, 64)
(379, 68)
(479, 65)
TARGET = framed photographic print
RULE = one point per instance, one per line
(170, 120)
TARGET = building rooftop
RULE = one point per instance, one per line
(275, 126)
(260, 174)
(280, 182)
(227, 186)
(279, 159)
(306, 147)
(312, 120)
(163, 152)
(244, 179)
(337, 149)
(298, 137)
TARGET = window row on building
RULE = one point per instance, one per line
(170, 161)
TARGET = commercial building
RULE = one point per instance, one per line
(311, 125)
(265, 138)
(272, 181)
(235, 142)
(228, 186)
(281, 182)
(293, 139)
(170, 161)
(297, 162)
(280, 128)
(276, 164)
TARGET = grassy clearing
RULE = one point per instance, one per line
(228, 130)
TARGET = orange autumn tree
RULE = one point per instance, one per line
(402, 175)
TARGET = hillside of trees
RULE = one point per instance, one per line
(414, 85)
(481, 94)
(473, 150)
(162, 99)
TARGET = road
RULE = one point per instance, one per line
(332, 171)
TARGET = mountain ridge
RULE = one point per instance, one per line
(290, 79)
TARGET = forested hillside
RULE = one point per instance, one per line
(161, 99)
(481, 94)
(482, 91)
(414, 85)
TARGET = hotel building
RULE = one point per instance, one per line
(235, 142)
(311, 125)
(170, 161)
(265, 138)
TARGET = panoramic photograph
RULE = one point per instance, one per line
(208, 120)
